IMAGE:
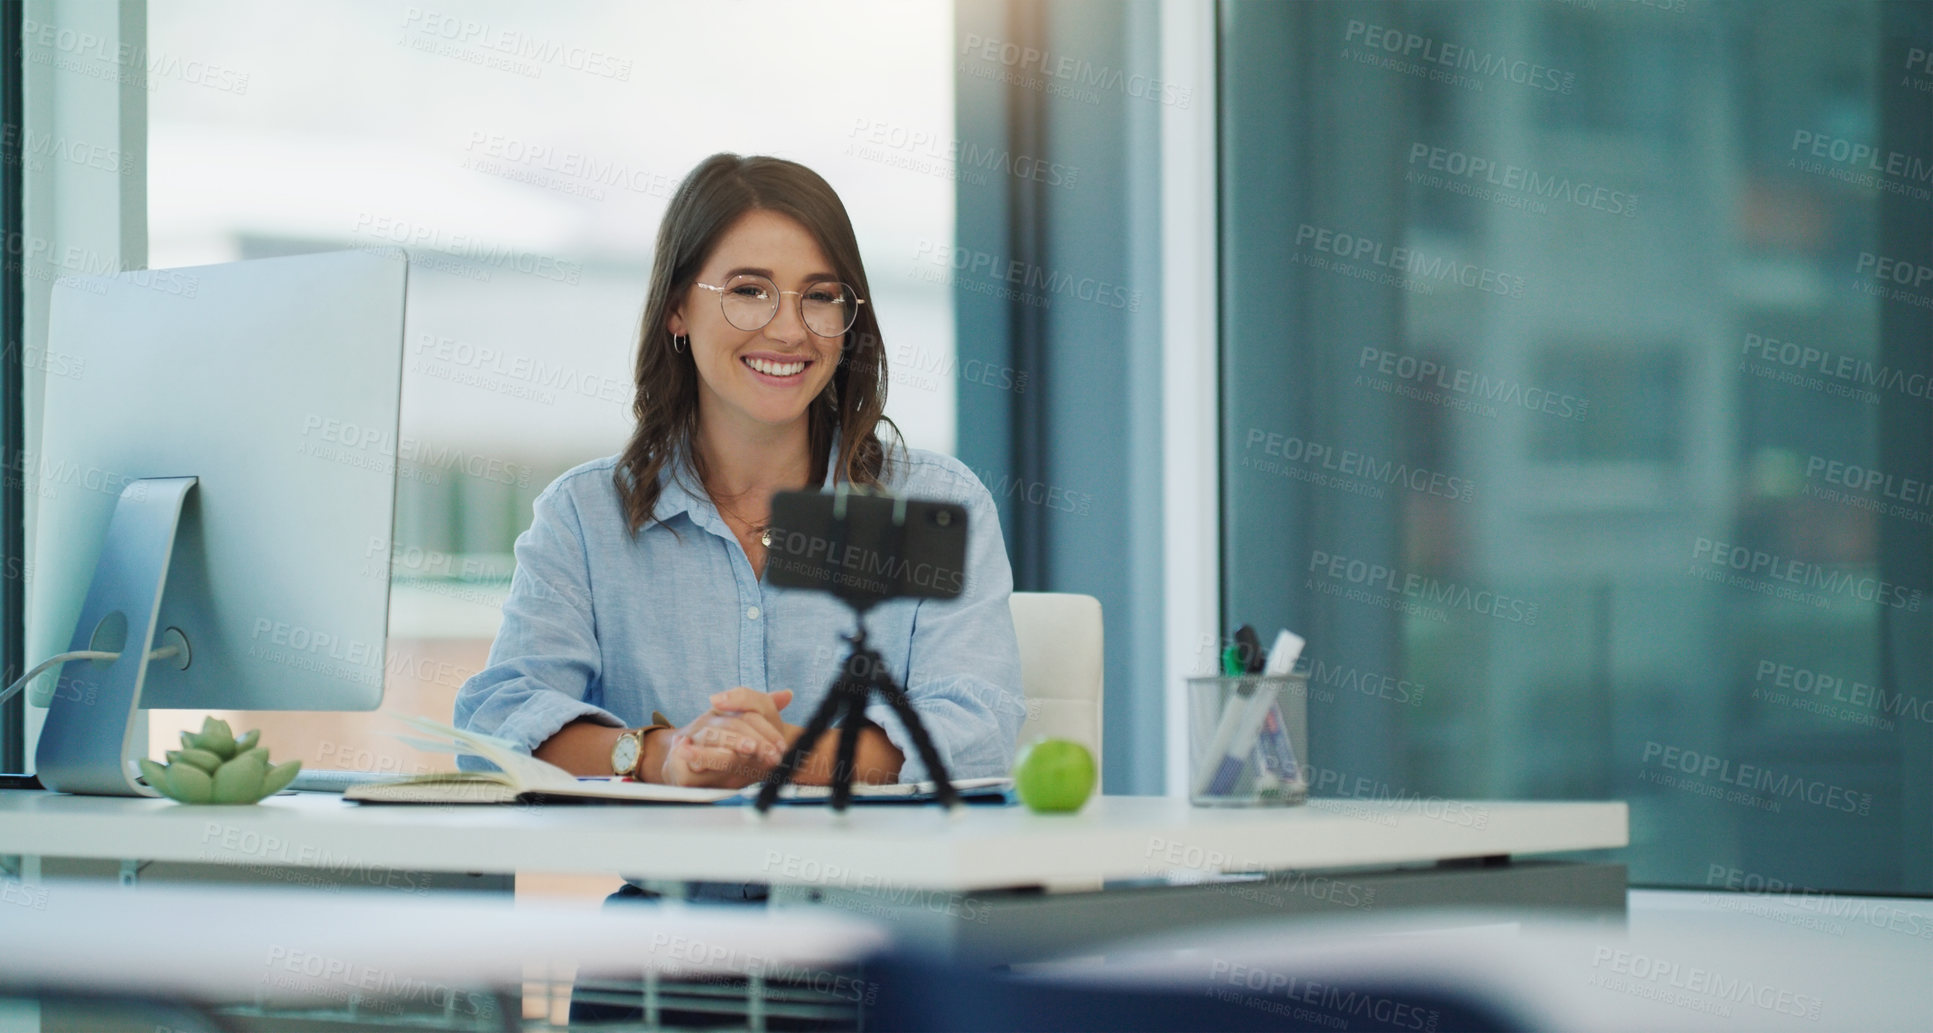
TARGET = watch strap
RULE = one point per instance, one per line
(658, 720)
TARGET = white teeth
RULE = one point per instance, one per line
(775, 369)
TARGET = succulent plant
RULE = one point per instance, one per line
(215, 766)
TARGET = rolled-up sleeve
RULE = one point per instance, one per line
(545, 657)
(964, 660)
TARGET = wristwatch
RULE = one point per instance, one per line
(629, 748)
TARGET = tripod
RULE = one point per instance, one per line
(863, 674)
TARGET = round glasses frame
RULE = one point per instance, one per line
(724, 299)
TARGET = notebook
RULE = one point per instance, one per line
(521, 778)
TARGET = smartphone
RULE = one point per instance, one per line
(867, 549)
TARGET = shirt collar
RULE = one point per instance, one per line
(679, 490)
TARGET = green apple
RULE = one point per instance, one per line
(1054, 776)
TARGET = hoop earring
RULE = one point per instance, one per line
(678, 343)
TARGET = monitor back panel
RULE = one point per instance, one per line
(277, 383)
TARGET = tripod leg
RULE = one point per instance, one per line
(935, 767)
(842, 765)
(829, 708)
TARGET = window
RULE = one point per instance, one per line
(524, 155)
(1593, 366)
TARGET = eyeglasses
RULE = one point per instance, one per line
(828, 308)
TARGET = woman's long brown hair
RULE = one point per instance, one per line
(721, 189)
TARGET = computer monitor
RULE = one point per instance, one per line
(216, 456)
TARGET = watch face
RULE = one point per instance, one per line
(624, 756)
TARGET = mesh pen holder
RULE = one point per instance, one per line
(1248, 740)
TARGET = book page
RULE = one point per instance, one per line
(523, 771)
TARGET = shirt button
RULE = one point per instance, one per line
(751, 613)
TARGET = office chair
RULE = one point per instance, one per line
(1060, 666)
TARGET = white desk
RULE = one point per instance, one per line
(458, 940)
(1116, 837)
(866, 860)
(267, 958)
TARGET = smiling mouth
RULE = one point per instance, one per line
(777, 369)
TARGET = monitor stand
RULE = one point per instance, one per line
(84, 744)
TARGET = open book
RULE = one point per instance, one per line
(522, 778)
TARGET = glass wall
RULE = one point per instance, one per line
(1576, 407)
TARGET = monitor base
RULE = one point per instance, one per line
(84, 745)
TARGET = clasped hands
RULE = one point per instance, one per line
(733, 744)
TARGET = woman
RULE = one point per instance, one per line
(638, 637)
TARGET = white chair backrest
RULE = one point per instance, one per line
(1060, 666)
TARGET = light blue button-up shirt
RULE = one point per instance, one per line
(606, 626)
